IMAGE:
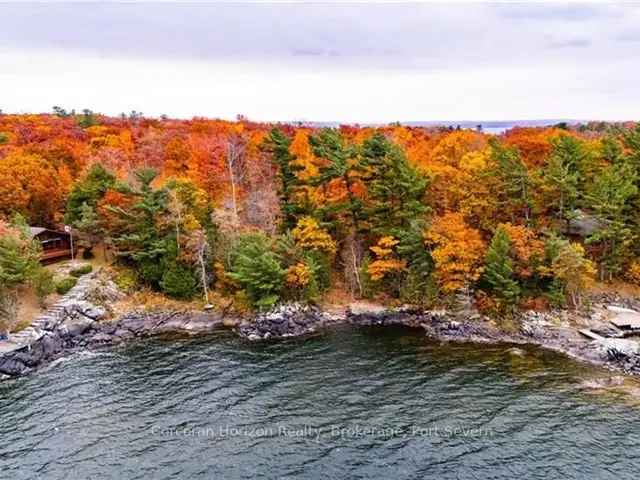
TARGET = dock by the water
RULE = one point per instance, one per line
(622, 322)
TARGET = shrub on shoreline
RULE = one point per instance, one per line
(80, 271)
(66, 284)
(43, 284)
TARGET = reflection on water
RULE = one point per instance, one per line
(366, 403)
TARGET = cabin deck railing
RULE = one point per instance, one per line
(56, 253)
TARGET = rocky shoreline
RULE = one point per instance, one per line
(80, 321)
(535, 328)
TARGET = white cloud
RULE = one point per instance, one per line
(269, 92)
(324, 62)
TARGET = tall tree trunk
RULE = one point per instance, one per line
(203, 270)
(232, 163)
(234, 200)
(352, 199)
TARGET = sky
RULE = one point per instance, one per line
(325, 61)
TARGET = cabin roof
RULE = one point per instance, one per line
(35, 231)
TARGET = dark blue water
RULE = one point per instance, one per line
(357, 404)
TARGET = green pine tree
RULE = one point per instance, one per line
(417, 284)
(395, 188)
(562, 176)
(514, 181)
(611, 150)
(144, 242)
(498, 273)
(631, 140)
(178, 280)
(342, 164)
(277, 144)
(258, 269)
(610, 198)
(88, 191)
(19, 264)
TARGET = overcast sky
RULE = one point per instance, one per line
(325, 61)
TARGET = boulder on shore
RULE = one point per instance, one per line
(286, 320)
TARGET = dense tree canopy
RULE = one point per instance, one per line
(271, 212)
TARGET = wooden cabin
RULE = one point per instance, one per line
(55, 245)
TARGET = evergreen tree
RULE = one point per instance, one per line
(89, 191)
(611, 150)
(258, 269)
(88, 225)
(395, 189)
(562, 176)
(342, 164)
(514, 182)
(87, 119)
(19, 260)
(164, 233)
(412, 249)
(19, 264)
(631, 140)
(144, 243)
(610, 199)
(498, 273)
(178, 280)
(573, 152)
(278, 145)
(418, 279)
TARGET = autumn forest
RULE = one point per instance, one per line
(264, 213)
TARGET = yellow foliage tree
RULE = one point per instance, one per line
(298, 275)
(575, 271)
(457, 251)
(633, 273)
(455, 145)
(305, 159)
(308, 234)
(386, 261)
(308, 166)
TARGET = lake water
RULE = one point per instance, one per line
(351, 403)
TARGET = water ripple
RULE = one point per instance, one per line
(368, 403)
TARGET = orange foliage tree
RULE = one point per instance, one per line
(33, 187)
(457, 251)
(347, 189)
(527, 250)
(386, 260)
